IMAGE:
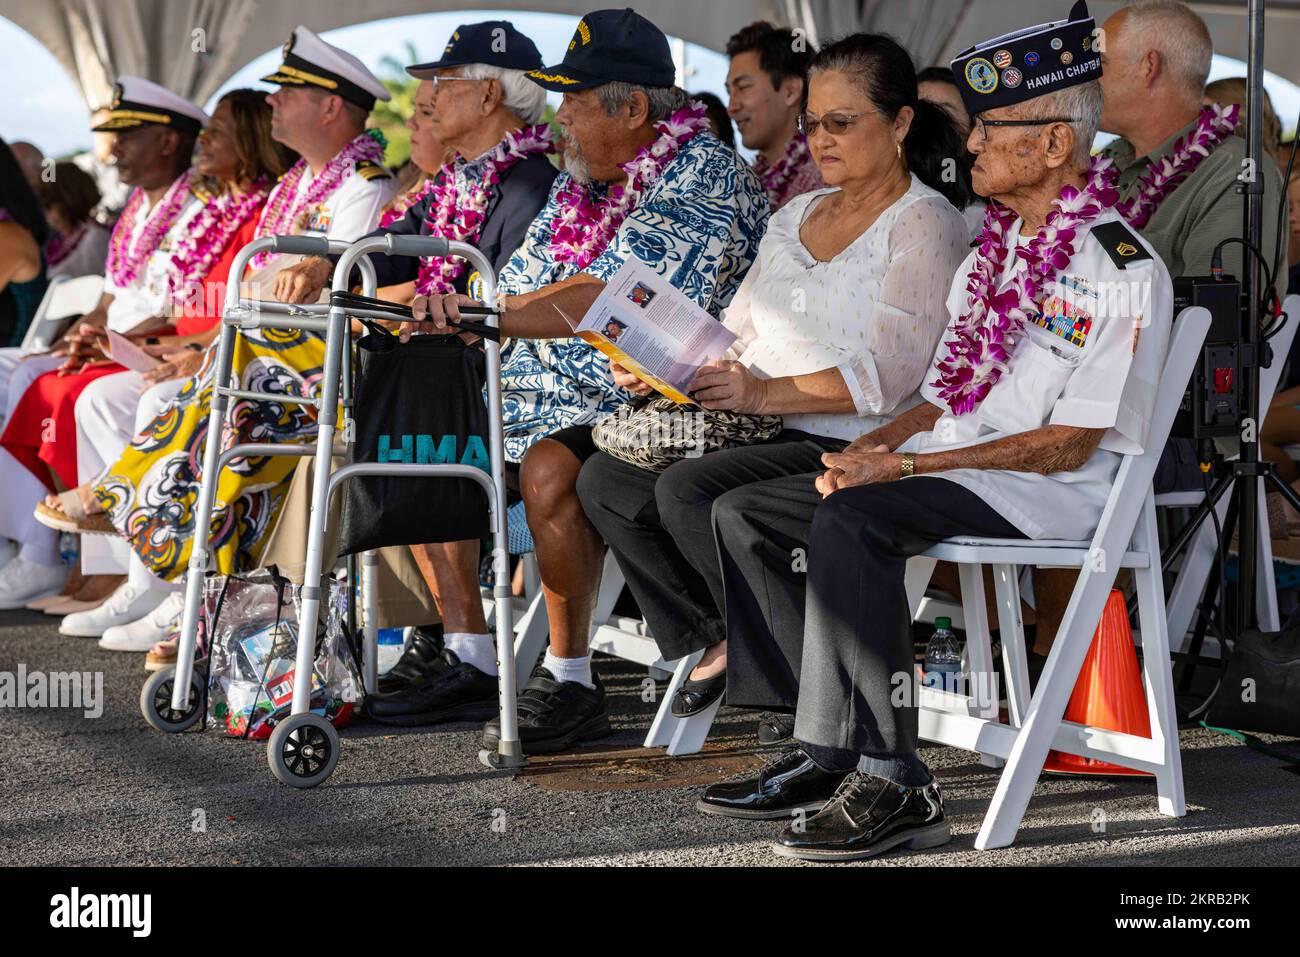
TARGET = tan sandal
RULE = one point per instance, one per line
(161, 655)
(71, 516)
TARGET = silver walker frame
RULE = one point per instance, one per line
(302, 731)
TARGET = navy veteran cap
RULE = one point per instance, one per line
(608, 46)
(310, 61)
(140, 102)
(1027, 63)
(494, 42)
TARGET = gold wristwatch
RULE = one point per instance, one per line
(907, 466)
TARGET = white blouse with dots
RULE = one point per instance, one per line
(875, 312)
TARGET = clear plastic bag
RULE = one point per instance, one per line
(253, 624)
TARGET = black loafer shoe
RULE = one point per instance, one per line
(553, 715)
(450, 690)
(774, 727)
(868, 816)
(695, 696)
(788, 783)
(420, 655)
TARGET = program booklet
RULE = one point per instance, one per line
(649, 328)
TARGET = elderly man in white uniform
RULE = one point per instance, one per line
(156, 130)
(1045, 377)
(338, 190)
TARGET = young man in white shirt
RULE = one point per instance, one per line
(1025, 444)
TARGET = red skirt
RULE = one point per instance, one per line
(43, 431)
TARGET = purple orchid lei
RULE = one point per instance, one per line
(209, 233)
(1215, 124)
(584, 228)
(985, 337)
(776, 178)
(126, 260)
(460, 217)
(283, 214)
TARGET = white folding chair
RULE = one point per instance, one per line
(65, 299)
(1125, 538)
(1199, 559)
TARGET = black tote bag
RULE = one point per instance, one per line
(419, 401)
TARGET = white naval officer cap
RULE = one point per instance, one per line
(138, 102)
(310, 61)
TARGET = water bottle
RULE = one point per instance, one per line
(943, 658)
(68, 548)
(392, 642)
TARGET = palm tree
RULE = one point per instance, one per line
(390, 117)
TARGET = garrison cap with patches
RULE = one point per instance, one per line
(140, 102)
(611, 45)
(494, 42)
(1027, 63)
(310, 61)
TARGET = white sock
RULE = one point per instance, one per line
(569, 669)
(477, 650)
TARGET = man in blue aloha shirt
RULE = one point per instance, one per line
(697, 222)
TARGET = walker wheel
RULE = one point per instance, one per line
(303, 750)
(156, 701)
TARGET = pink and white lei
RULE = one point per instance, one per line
(398, 207)
(284, 213)
(1215, 124)
(986, 335)
(456, 216)
(584, 228)
(126, 260)
(776, 178)
(209, 233)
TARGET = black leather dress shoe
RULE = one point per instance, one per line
(425, 649)
(450, 690)
(788, 783)
(868, 816)
(695, 696)
(774, 727)
(553, 715)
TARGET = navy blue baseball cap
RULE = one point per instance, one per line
(608, 46)
(494, 42)
(1029, 63)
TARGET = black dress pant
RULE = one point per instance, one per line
(838, 656)
(660, 528)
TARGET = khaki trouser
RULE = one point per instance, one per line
(403, 599)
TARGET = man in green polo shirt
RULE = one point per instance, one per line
(1155, 60)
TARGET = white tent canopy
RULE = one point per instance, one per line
(193, 46)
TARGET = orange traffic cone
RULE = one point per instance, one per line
(1108, 693)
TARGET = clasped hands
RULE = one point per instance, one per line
(859, 464)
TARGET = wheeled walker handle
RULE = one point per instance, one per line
(417, 245)
(301, 245)
(366, 307)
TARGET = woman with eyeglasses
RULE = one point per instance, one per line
(837, 322)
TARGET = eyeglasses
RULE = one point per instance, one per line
(438, 80)
(981, 123)
(835, 123)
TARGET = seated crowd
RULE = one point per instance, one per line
(914, 267)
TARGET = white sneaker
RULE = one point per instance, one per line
(22, 581)
(143, 634)
(127, 604)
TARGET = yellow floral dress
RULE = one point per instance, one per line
(152, 491)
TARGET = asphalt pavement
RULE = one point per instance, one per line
(108, 790)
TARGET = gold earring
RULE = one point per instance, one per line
(899, 147)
